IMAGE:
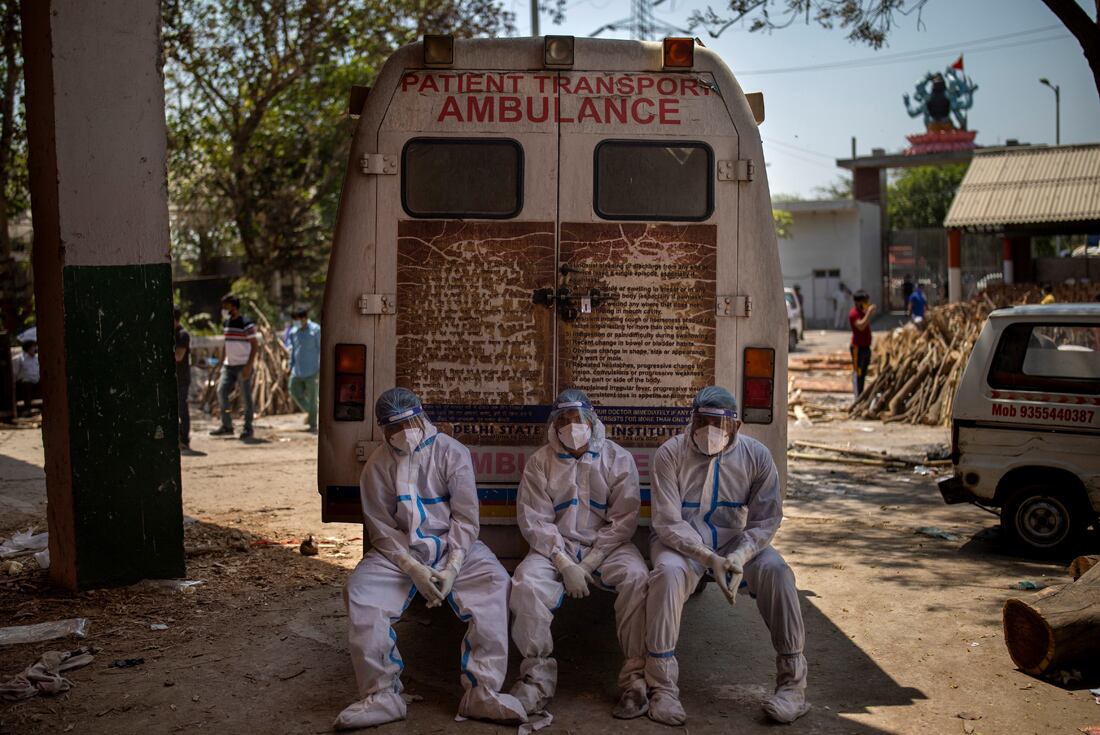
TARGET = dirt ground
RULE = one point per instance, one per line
(903, 629)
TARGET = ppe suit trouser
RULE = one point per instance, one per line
(537, 592)
(378, 593)
(674, 578)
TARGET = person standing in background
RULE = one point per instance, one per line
(859, 319)
(304, 341)
(916, 304)
(238, 357)
(183, 377)
(1048, 294)
(840, 300)
(26, 373)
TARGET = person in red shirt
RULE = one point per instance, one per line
(859, 319)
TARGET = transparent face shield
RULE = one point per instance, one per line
(406, 430)
(712, 429)
(571, 422)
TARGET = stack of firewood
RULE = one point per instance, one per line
(270, 371)
(915, 370)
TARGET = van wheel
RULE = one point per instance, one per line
(1043, 521)
(792, 340)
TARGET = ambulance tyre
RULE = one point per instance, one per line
(792, 340)
(1043, 521)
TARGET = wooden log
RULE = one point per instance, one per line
(1082, 564)
(1056, 631)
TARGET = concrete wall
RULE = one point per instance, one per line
(1059, 270)
(838, 235)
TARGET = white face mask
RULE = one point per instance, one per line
(710, 439)
(225, 313)
(575, 436)
(407, 440)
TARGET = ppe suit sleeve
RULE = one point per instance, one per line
(379, 500)
(465, 521)
(535, 510)
(624, 501)
(765, 506)
(665, 506)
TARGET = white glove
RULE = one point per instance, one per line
(735, 564)
(718, 566)
(573, 576)
(421, 575)
(592, 562)
(447, 575)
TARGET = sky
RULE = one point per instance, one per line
(813, 113)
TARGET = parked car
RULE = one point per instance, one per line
(795, 322)
(1025, 425)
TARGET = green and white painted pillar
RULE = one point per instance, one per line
(103, 289)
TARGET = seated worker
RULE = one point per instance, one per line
(577, 508)
(716, 506)
(420, 510)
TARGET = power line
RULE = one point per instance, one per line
(913, 55)
(773, 141)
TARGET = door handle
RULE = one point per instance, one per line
(570, 304)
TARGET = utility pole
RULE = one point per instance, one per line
(534, 17)
(1057, 109)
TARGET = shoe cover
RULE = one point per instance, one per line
(538, 680)
(666, 709)
(633, 702)
(377, 709)
(479, 703)
(789, 701)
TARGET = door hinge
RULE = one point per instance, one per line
(377, 303)
(736, 170)
(734, 306)
(375, 164)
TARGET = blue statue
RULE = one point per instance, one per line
(939, 96)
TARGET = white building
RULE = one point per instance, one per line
(832, 242)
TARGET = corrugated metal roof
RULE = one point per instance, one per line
(1032, 185)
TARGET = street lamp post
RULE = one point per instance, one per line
(1057, 109)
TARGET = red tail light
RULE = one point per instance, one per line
(350, 402)
(758, 385)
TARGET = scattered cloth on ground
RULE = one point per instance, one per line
(934, 532)
(536, 721)
(44, 675)
(43, 631)
(24, 542)
(125, 663)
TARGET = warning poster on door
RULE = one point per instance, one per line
(642, 356)
(469, 341)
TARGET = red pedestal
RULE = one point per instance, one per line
(940, 141)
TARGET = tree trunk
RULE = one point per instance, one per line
(1055, 629)
(1085, 29)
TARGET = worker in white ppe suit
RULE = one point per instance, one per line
(420, 510)
(716, 506)
(577, 508)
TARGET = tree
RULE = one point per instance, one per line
(783, 222)
(257, 96)
(870, 21)
(14, 197)
(839, 188)
(921, 196)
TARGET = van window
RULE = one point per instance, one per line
(1059, 358)
(450, 177)
(652, 180)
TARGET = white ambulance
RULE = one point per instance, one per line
(1025, 425)
(525, 215)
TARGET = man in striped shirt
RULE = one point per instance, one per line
(238, 357)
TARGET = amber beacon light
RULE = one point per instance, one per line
(557, 51)
(679, 53)
(439, 50)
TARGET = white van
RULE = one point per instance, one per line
(1025, 425)
(525, 215)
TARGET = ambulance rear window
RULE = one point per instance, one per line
(653, 180)
(449, 177)
(1055, 358)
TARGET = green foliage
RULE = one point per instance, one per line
(783, 222)
(840, 188)
(920, 197)
(259, 139)
(866, 21)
